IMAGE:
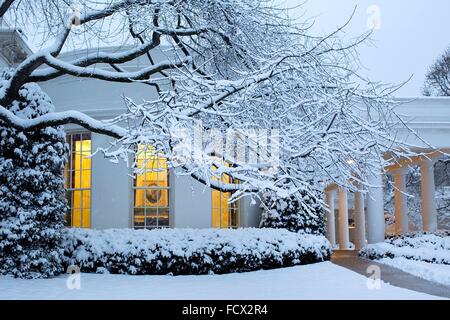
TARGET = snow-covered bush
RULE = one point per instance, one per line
(427, 247)
(32, 202)
(190, 251)
(297, 216)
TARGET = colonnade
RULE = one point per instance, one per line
(368, 208)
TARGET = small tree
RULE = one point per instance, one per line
(292, 214)
(32, 202)
(437, 81)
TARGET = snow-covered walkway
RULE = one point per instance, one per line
(318, 281)
(397, 276)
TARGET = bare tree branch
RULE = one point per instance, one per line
(4, 6)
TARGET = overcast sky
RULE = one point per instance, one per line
(412, 34)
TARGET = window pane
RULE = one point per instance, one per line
(234, 218)
(77, 202)
(139, 198)
(216, 199)
(216, 217)
(66, 178)
(139, 217)
(69, 217)
(76, 218)
(69, 198)
(163, 217)
(224, 223)
(86, 199)
(140, 181)
(151, 217)
(163, 198)
(151, 197)
(86, 213)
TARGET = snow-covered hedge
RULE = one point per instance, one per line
(190, 251)
(427, 247)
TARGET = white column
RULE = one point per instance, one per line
(360, 221)
(429, 215)
(331, 224)
(343, 220)
(376, 225)
(400, 201)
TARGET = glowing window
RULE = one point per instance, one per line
(77, 175)
(151, 190)
(224, 214)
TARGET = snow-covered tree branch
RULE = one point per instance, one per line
(237, 69)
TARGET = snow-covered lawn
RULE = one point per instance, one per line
(317, 281)
(430, 271)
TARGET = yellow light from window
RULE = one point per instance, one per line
(151, 202)
(221, 209)
(152, 176)
(81, 214)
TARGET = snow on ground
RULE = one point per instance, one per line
(422, 247)
(317, 281)
(439, 273)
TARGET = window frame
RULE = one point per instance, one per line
(69, 185)
(146, 209)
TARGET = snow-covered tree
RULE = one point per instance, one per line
(32, 200)
(233, 66)
(296, 216)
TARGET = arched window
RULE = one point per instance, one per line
(77, 174)
(151, 190)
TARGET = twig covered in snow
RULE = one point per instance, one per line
(60, 118)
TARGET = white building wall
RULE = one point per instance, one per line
(249, 212)
(112, 190)
(70, 93)
(190, 203)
